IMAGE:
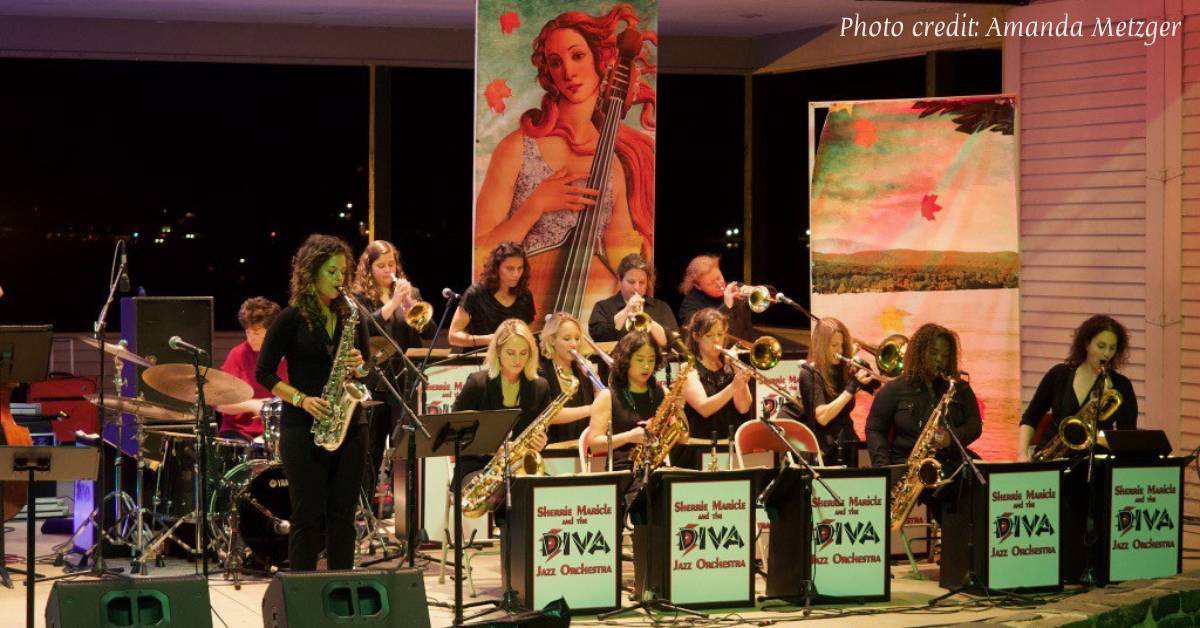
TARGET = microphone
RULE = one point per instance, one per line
(179, 344)
(282, 526)
(450, 295)
(125, 286)
(783, 298)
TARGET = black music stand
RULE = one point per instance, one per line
(457, 434)
(24, 358)
(33, 464)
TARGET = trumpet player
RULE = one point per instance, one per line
(561, 336)
(380, 284)
(1100, 346)
(704, 286)
(717, 394)
(615, 316)
(828, 386)
(903, 405)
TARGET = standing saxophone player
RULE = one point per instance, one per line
(1100, 343)
(323, 484)
(902, 407)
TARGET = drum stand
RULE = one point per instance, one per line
(374, 535)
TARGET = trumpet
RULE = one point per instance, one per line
(639, 320)
(758, 298)
(419, 313)
(765, 353)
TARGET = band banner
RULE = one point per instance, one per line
(1144, 524)
(711, 557)
(546, 72)
(913, 220)
(849, 546)
(1024, 547)
(576, 543)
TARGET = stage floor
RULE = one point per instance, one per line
(234, 607)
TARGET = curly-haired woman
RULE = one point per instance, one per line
(501, 293)
(324, 485)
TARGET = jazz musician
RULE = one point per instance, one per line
(243, 421)
(610, 319)
(704, 286)
(903, 406)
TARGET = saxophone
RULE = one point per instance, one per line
(481, 490)
(923, 469)
(341, 392)
(668, 426)
(1079, 432)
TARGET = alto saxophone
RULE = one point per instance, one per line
(923, 468)
(481, 490)
(668, 426)
(341, 392)
(1078, 432)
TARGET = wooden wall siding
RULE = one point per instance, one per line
(1189, 402)
(1083, 194)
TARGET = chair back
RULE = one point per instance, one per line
(754, 436)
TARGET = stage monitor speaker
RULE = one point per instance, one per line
(179, 602)
(366, 597)
(147, 323)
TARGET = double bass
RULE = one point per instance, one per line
(12, 435)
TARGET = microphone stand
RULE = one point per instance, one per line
(409, 422)
(1089, 534)
(99, 329)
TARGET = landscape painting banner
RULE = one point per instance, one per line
(914, 220)
(548, 74)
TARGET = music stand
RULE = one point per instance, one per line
(473, 432)
(33, 464)
(24, 358)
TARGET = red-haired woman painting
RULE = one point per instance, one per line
(535, 190)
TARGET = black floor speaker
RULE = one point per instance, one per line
(365, 597)
(179, 602)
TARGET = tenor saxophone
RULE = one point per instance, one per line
(668, 426)
(341, 392)
(923, 468)
(481, 490)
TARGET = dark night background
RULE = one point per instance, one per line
(215, 173)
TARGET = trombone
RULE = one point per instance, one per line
(889, 356)
(419, 313)
(764, 353)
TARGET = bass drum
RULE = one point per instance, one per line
(253, 498)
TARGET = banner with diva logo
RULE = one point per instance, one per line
(1024, 547)
(849, 535)
(1145, 533)
(565, 94)
(786, 375)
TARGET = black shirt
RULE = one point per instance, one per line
(724, 421)
(739, 315)
(480, 392)
(1056, 394)
(487, 313)
(585, 393)
(630, 408)
(309, 352)
(405, 336)
(838, 431)
(904, 408)
(600, 323)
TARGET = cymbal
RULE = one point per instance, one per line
(119, 351)
(178, 381)
(147, 410)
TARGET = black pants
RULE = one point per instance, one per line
(324, 487)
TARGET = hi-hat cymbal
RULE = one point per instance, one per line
(147, 410)
(178, 381)
(119, 351)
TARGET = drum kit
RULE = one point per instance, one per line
(248, 507)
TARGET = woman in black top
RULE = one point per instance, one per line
(324, 485)
(381, 285)
(717, 394)
(827, 389)
(1099, 343)
(509, 379)
(609, 316)
(500, 294)
(560, 336)
(633, 396)
(903, 406)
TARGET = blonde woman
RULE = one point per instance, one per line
(560, 336)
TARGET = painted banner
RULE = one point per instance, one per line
(785, 375)
(1144, 532)
(849, 556)
(547, 73)
(711, 544)
(1024, 522)
(914, 220)
(576, 540)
